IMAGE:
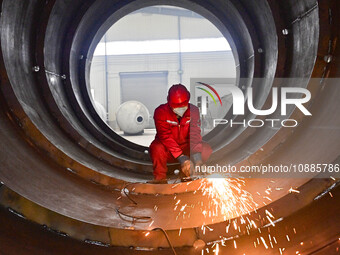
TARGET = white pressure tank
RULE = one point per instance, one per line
(132, 117)
(100, 110)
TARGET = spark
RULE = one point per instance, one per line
(183, 207)
(229, 199)
(268, 198)
(268, 213)
(217, 249)
(151, 223)
(228, 196)
(253, 224)
(242, 220)
(264, 242)
(274, 239)
(291, 190)
(203, 229)
(147, 233)
(210, 229)
(271, 222)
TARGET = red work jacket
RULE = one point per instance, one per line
(175, 134)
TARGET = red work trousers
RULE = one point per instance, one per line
(160, 156)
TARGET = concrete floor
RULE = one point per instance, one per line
(144, 139)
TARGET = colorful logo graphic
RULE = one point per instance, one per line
(209, 93)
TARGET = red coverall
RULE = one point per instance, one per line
(175, 137)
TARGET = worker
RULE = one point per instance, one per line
(178, 135)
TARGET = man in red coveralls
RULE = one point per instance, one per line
(178, 135)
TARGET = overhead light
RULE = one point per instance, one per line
(162, 46)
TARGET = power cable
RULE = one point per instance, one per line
(167, 238)
(127, 194)
(141, 219)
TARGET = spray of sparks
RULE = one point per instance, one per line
(227, 196)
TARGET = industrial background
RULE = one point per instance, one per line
(72, 184)
(190, 47)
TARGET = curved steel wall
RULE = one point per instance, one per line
(58, 153)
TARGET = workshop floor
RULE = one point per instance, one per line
(144, 139)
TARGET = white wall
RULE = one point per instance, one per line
(139, 27)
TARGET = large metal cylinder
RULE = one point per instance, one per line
(56, 152)
(100, 110)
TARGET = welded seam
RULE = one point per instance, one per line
(323, 247)
(302, 16)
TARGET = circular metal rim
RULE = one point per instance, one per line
(141, 165)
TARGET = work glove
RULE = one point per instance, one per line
(197, 157)
(187, 166)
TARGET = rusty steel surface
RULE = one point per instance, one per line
(312, 230)
(72, 199)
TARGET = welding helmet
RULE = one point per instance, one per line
(178, 96)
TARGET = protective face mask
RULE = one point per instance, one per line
(180, 111)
